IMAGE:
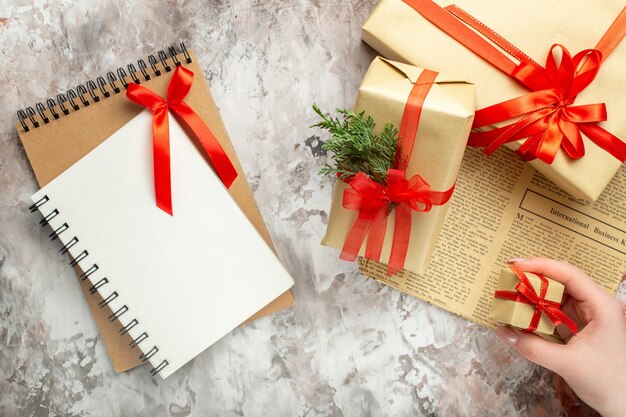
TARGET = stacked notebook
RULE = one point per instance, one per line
(162, 288)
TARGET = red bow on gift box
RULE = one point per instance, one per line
(546, 116)
(177, 90)
(375, 201)
(525, 293)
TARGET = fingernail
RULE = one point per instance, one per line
(506, 335)
(513, 260)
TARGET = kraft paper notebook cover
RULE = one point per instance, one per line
(54, 146)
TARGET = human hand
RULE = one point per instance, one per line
(593, 362)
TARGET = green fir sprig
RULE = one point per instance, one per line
(355, 147)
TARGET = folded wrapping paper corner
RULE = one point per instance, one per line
(444, 126)
(413, 74)
(530, 302)
(537, 25)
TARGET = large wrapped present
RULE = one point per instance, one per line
(563, 111)
(530, 302)
(434, 113)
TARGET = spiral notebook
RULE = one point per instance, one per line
(170, 280)
(58, 134)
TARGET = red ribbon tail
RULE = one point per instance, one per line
(161, 157)
(528, 150)
(508, 295)
(377, 234)
(211, 148)
(610, 143)
(401, 237)
(534, 322)
(355, 239)
(558, 317)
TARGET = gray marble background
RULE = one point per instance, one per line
(350, 347)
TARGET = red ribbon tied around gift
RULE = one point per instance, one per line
(374, 202)
(546, 116)
(178, 88)
(525, 293)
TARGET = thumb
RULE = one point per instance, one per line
(550, 355)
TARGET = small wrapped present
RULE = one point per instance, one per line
(529, 302)
(561, 112)
(434, 113)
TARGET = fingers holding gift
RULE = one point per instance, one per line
(593, 301)
(534, 348)
(572, 308)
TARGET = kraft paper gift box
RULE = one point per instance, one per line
(519, 314)
(439, 145)
(396, 31)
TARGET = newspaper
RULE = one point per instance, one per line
(502, 208)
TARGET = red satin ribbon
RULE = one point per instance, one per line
(374, 203)
(178, 88)
(411, 117)
(546, 116)
(525, 293)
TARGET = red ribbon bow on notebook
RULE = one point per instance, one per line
(525, 293)
(546, 117)
(374, 201)
(178, 88)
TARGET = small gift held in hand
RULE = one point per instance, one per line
(393, 184)
(530, 302)
(558, 108)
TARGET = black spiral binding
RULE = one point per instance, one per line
(99, 285)
(93, 92)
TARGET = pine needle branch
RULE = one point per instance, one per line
(355, 147)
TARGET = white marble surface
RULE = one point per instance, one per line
(350, 347)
